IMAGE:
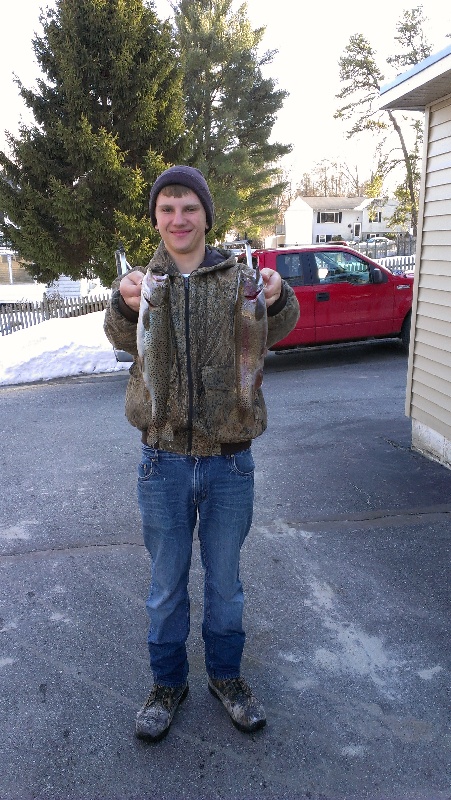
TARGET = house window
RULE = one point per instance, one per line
(375, 216)
(329, 216)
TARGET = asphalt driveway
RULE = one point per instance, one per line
(348, 600)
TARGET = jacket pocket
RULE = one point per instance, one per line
(218, 400)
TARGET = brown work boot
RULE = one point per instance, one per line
(154, 719)
(246, 713)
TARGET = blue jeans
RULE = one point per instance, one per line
(174, 491)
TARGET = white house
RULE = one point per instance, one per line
(427, 87)
(323, 219)
(68, 287)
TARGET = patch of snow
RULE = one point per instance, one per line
(57, 348)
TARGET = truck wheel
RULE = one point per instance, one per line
(405, 332)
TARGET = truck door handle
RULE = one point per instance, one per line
(322, 297)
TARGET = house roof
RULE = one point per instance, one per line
(337, 203)
(420, 86)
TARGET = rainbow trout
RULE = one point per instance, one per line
(154, 342)
(251, 331)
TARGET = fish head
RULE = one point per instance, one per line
(254, 295)
(154, 288)
(251, 287)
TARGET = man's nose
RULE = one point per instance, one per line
(179, 218)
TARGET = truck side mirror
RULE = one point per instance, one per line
(377, 275)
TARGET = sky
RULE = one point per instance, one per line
(309, 38)
(57, 348)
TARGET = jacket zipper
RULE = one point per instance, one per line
(188, 366)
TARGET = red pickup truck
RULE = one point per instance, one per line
(343, 295)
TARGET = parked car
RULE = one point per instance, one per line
(236, 247)
(379, 240)
(343, 295)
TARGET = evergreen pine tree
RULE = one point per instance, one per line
(231, 109)
(108, 117)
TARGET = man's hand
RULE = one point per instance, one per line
(273, 285)
(130, 289)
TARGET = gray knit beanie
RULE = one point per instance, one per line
(190, 177)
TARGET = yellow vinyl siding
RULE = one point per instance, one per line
(440, 178)
(436, 237)
(433, 324)
(432, 339)
(433, 402)
(435, 254)
(440, 162)
(436, 208)
(431, 313)
(436, 267)
(432, 421)
(434, 410)
(441, 284)
(429, 328)
(437, 383)
(438, 132)
(440, 111)
(429, 380)
(437, 193)
(439, 367)
(441, 222)
(441, 145)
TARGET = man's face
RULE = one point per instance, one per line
(181, 223)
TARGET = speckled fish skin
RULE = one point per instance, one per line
(154, 342)
(251, 336)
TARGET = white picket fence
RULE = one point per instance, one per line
(405, 263)
(16, 316)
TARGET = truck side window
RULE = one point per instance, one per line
(334, 267)
(289, 265)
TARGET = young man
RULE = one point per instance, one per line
(197, 467)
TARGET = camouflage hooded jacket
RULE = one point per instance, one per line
(202, 407)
